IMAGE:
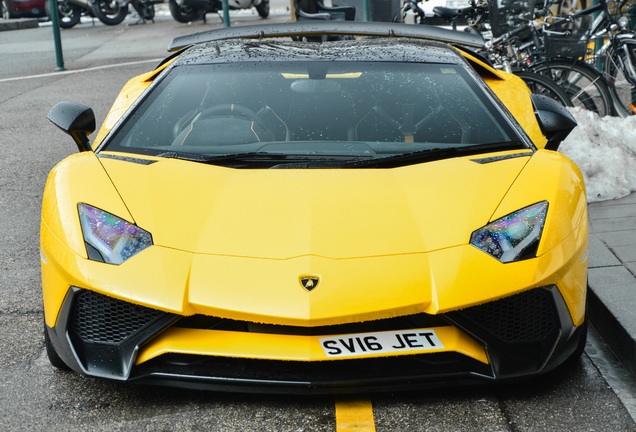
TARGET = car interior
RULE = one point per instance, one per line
(317, 103)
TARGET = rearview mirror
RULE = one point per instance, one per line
(554, 119)
(75, 119)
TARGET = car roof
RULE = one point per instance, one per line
(300, 29)
(382, 50)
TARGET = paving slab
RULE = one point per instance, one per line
(612, 276)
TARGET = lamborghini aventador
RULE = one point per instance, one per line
(316, 208)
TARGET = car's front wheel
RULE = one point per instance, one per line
(54, 358)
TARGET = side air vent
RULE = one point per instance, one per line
(527, 317)
(101, 319)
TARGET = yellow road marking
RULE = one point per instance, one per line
(354, 415)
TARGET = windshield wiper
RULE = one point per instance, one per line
(351, 161)
(432, 154)
(267, 156)
(222, 158)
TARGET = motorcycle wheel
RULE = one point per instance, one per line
(263, 9)
(110, 12)
(68, 14)
(183, 14)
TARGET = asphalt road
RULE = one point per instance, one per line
(34, 396)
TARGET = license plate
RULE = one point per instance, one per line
(362, 344)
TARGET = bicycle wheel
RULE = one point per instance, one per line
(567, 7)
(585, 85)
(539, 84)
(616, 69)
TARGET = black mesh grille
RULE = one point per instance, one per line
(398, 323)
(101, 319)
(381, 371)
(522, 318)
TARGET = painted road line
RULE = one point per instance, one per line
(69, 72)
(354, 415)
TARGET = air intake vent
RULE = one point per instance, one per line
(101, 319)
(527, 317)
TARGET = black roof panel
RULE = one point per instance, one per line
(392, 50)
(330, 28)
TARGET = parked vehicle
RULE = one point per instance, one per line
(612, 28)
(517, 42)
(109, 12)
(284, 216)
(113, 12)
(69, 13)
(185, 11)
(22, 8)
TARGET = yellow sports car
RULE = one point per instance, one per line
(316, 208)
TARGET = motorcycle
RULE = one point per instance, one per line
(113, 12)
(109, 12)
(185, 11)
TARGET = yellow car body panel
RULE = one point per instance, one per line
(73, 181)
(514, 93)
(282, 214)
(280, 347)
(391, 259)
(131, 91)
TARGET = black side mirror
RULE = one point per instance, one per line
(75, 119)
(555, 120)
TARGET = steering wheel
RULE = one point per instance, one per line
(233, 110)
(223, 110)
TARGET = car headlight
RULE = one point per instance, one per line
(514, 237)
(108, 238)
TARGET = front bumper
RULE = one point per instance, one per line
(519, 336)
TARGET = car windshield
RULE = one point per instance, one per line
(313, 111)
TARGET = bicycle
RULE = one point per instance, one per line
(521, 43)
(476, 16)
(616, 59)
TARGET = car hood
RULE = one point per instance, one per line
(330, 213)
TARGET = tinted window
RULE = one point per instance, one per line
(331, 107)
